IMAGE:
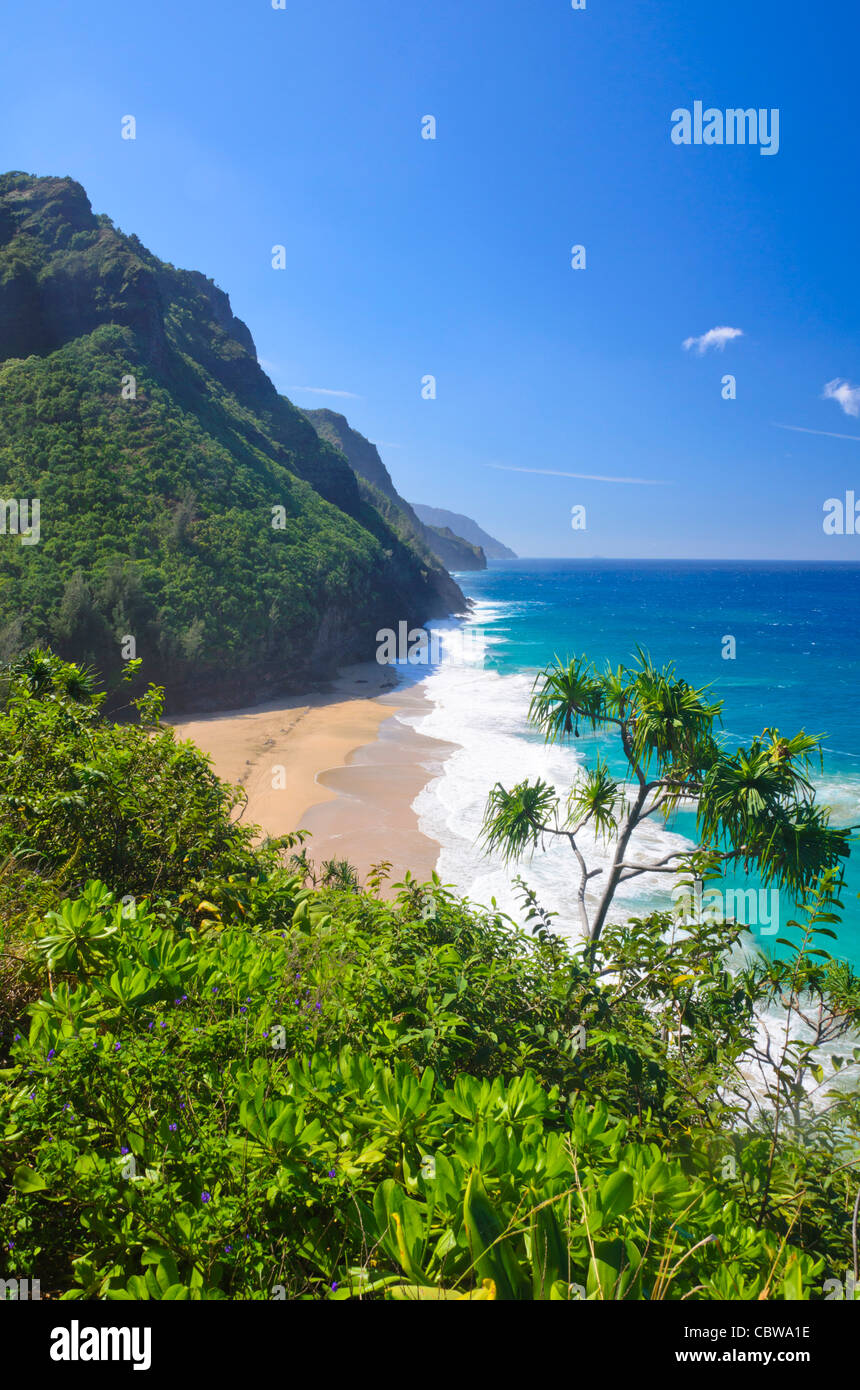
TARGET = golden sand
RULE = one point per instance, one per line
(335, 763)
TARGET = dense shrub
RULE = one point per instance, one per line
(229, 1083)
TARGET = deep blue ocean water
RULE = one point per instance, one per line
(797, 666)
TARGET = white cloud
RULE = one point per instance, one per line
(714, 338)
(590, 477)
(828, 434)
(847, 395)
(324, 391)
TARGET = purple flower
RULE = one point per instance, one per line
(117, 1047)
(50, 1054)
(334, 1285)
(171, 1126)
(242, 1009)
(205, 1197)
(124, 1149)
(228, 1249)
(331, 1172)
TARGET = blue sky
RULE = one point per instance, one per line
(407, 257)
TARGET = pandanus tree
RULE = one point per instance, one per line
(755, 807)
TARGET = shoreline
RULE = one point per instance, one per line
(335, 762)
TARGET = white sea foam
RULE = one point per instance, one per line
(484, 713)
(842, 795)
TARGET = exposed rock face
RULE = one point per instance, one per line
(65, 272)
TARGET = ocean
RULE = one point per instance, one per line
(796, 666)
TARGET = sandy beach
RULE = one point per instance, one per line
(335, 763)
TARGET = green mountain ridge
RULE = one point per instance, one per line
(450, 549)
(453, 550)
(464, 526)
(185, 504)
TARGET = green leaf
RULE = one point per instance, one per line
(616, 1194)
(28, 1180)
(401, 1227)
(550, 1256)
(490, 1247)
(604, 1269)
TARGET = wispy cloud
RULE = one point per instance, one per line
(714, 338)
(589, 477)
(828, 434)
(847, 395)
(324, 391)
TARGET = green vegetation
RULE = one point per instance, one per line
(224, 1073)
(132, 406)
(464, 526)
(374, 481)
(755, 807)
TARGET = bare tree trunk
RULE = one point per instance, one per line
(583, 881)
(617, 862)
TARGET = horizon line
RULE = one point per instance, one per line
(674, 559)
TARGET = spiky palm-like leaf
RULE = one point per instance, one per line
(339, 873)
(595, 800)
(755, 806)
(767, 777)
(563, 695)
(671, 720)
(792, 848)
(762, 801)
(514, 819)
(40, 672)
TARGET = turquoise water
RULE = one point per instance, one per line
(797, 667)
